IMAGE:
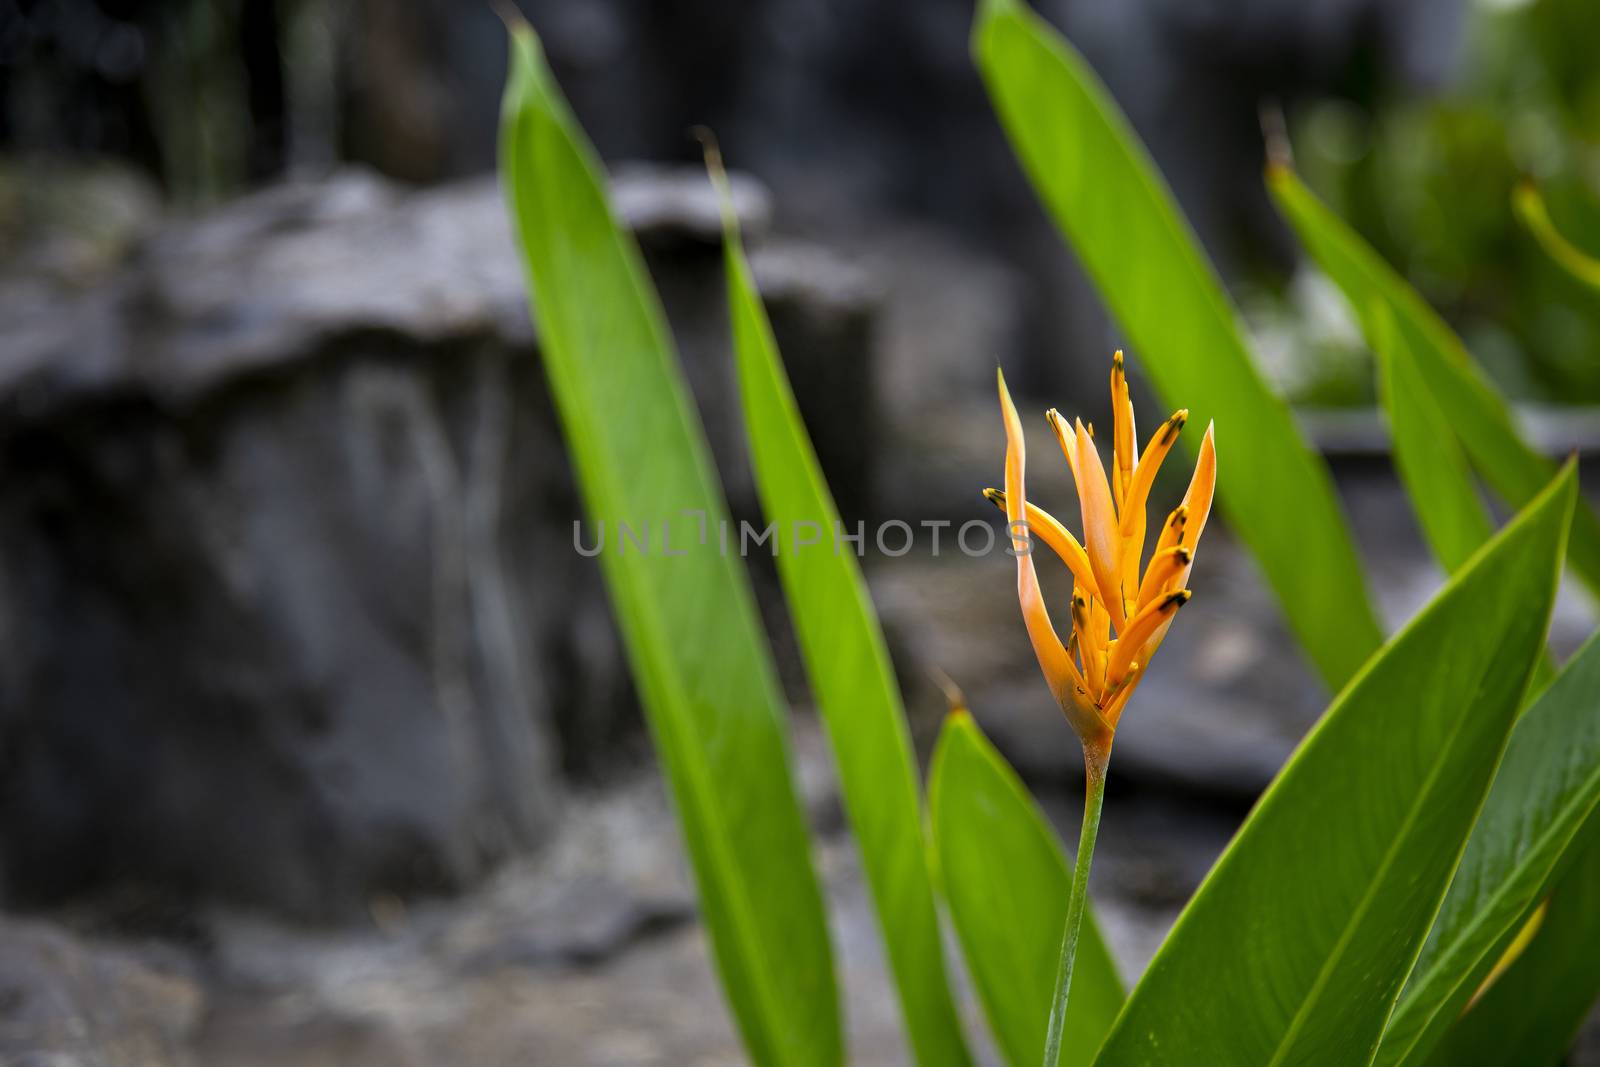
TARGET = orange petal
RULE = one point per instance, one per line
(1172, 529)
(1099, 623)
(1124, 436)
(1197, 506)
(1122, 431)
(1145, 474)
(1132, 518)
(1066, 439)
(1133, 448)
(1164, 568)
(1059, 673)
(1202, 487)
(1119, 699)
(1130, 548)
(1047, 528)
(1100, 537)
(1091, 642)
(1140, 630)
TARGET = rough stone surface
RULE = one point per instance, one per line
(592, 955)
(589, 957)
(290, 605)
(66, 1001)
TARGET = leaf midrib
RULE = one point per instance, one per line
(874, 665)
(733, 886)
(1480, 917)
(1335, 956)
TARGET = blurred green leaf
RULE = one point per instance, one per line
(1530, 208)
(688, 620)
(1532, 1012)
(848, 664)
(1548, 785)
(1432, 466)
(1480, 417)
(1437, 477)
(1006, 882)
(1296, 945)
(1426, 178)
(1109, 201)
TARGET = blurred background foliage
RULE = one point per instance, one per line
(1414, 120)
(1428, 179)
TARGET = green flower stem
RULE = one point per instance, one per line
(1095, 759)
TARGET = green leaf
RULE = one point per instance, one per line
(1530, 208)
(1433, 467)
(1513, 469)
(1295, 947)
(1107, 198)
(848, 664)
(1548, 785)
(1006, 882)
(1533, 1011)
(688, 619)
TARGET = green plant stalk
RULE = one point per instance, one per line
(1095, 761)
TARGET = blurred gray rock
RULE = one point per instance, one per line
(70, 224)
(66, 1001)
(589, 956)
(1586, 1050)
(290, 608)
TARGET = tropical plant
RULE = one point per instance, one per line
(1415, 886)
(1093, 676)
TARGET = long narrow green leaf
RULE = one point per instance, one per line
(1530, 208)
(1532, 1012)
(1006, 882)
(1433, 468)
(1535, 1007)
(1482, 421)
(1548, 785)
(1107, 198)
(1295, 947)
(848, 664)
(685, 609)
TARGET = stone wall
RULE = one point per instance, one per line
(290, 609)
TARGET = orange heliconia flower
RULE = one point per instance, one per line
(1118, 617)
